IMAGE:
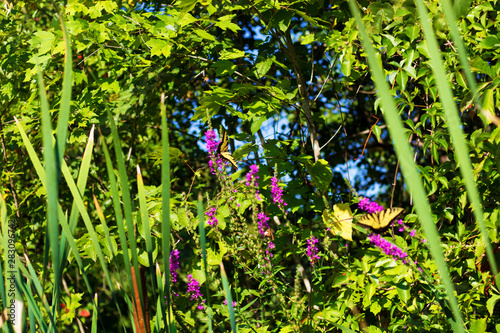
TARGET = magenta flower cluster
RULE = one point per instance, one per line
(194, 290)
(277, 192)
(369, 206)
(312, 250)
(212, 220)
(388, 248)
(174, 264)
(211, 143)
(262, 223)
(254, 168)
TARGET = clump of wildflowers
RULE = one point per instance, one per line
(212, 220)
(254, 168)
(277, 193)
(211, 143)
(174, 264)
(267, 265)
(388, 248)
(369, 206)
(194, 290)
(252, 178)
(262, 223)
(312, 250)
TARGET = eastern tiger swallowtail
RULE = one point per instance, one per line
(223, 150)
(381, 219)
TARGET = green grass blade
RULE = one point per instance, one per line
(410, 172)
(143, 209)
(127, 206)
(201, 229)
(51, 172)
(451, 113)
(165, 224)
(229, 298)
(477, 207)
(81, 184)
(64, 110)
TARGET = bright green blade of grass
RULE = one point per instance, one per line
(457, 135)
(77, 201)
(201, 229)
(165, 223)
(88, 224)
(229, 298)
(35, 315)
(127, 208)
(143, 209)
(81, 185)
(451, 113)
(51, 167)
(64, 110)
(410, 172)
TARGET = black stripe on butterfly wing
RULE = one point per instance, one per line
(381, 219)
(223, 150)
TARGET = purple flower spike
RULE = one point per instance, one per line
(312, 250)
(194, 290)
(211, 143)
(277, 192)
(263, 225)
(212, 220)
(388, 248)
(369, 206)
(174, 264)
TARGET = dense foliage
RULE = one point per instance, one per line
(281, 78)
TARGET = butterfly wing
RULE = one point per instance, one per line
(381, 219)
(223, 150)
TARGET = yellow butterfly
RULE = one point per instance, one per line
(223, 150)
(381, 219)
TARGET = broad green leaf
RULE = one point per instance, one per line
(231, 54)
(44, 40)
(321, 174)
(205, 35)
(261, 68)
(339, 221)
(159, 47)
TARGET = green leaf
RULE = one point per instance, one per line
(339, 221)
(307, 39)
(205, 35)
(346, 64)
(412, 32)
(44, 40)
(159, 47)
(231, 54)
(489, 104)
(257, 123)
(403, 291)
(478, 325)
(490, 42)
(377, 131)
(225, 23)
(321, 174)
(263, 67)
(491, 302)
